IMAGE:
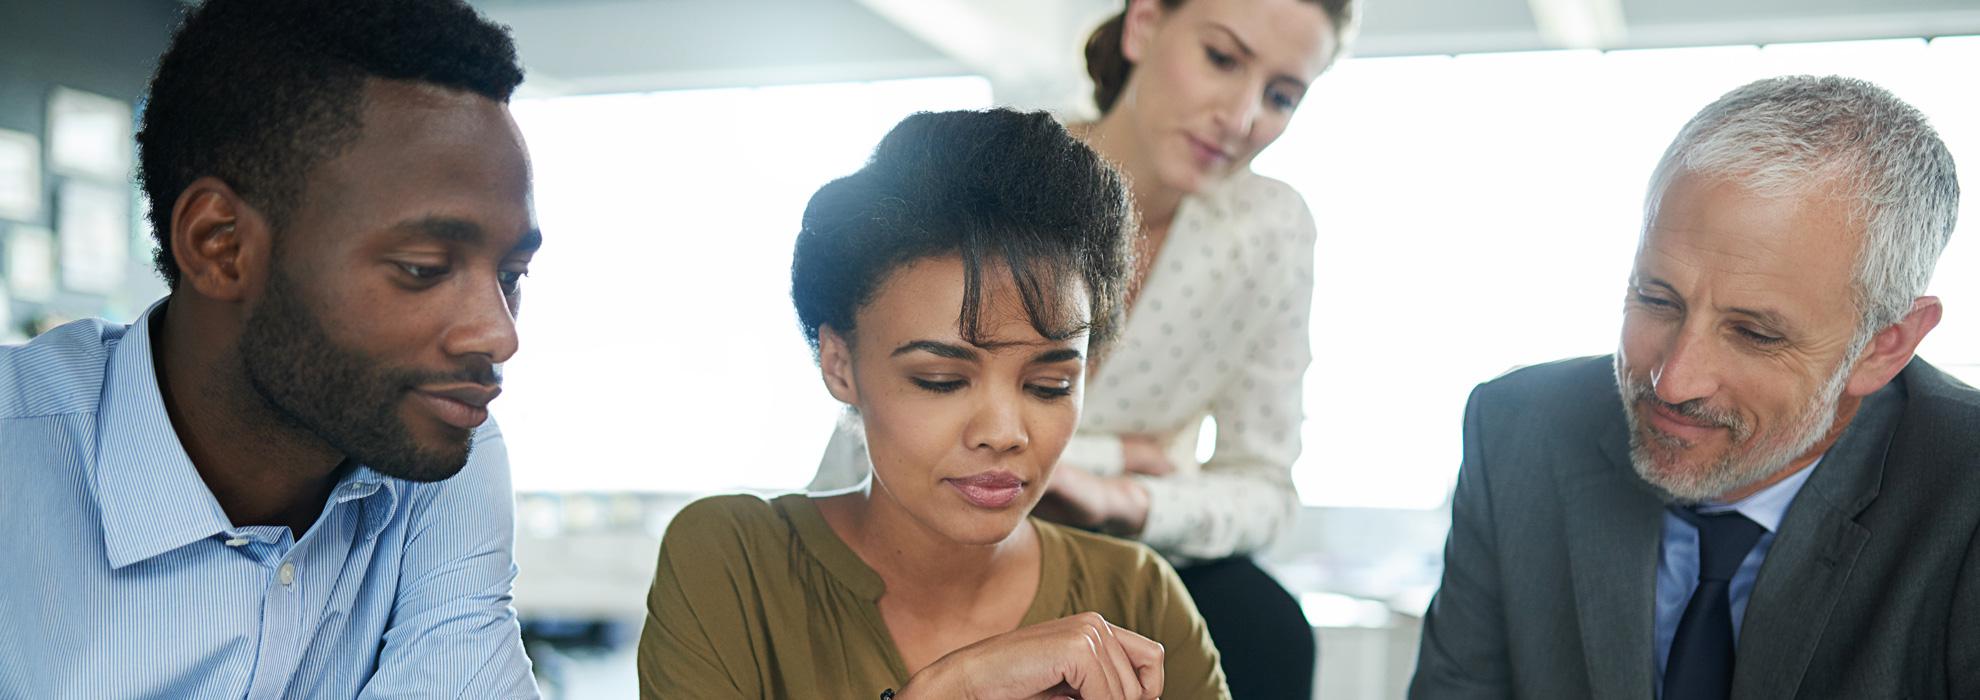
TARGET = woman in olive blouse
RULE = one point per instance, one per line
(953, 290)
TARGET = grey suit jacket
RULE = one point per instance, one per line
(1871, 590)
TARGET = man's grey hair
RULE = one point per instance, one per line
(1791, 135)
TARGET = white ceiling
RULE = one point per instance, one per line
(601, 46)
(1408, 27)
(1030, 49)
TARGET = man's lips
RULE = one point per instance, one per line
(463, 406)
(1674, 424)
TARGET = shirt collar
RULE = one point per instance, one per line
(363, 482)
(1769, 505)
(152, 499)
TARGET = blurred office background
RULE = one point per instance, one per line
(1476, 170)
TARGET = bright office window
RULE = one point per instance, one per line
(660, 351)
(1478, 213)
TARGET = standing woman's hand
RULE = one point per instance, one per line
(1117, 505)
(1143, 454)
(1081, 656)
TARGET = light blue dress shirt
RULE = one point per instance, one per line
(123, 578)
(1677, 568)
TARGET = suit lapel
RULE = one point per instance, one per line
(1813, 554)
(1797, 589)
(1614, 528)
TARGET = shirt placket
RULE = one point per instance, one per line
(279, 640)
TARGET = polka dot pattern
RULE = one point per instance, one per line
(1219, 329)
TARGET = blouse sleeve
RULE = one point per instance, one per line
(1244, 496)
(1191, 665)
(693, 644)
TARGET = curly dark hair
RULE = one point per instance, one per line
(1008, 192)
(259, 92)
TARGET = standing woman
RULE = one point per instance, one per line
(1190, 91)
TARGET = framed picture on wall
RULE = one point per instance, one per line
(89, 135)
(20, 176)
(93, 222)
(31, 263)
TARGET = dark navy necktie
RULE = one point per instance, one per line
(1701, 660)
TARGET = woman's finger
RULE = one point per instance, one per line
(1123, 666)
(1099, 676)
(1147, 656)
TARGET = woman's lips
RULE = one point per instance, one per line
(1207, 155)
(989, 490)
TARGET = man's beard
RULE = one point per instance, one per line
(340, 395)
(1738, 468)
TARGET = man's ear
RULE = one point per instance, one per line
(220, 243)
(1893, 347)
(835, 362)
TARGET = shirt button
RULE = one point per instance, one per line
(236, 542)
(287, 574)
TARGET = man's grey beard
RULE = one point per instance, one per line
(1737, 469)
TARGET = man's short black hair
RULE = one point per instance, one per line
(259, 92)
(1008, 192)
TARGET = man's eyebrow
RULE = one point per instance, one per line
(1655, 282)
(444, 229)
(448, 229)
(1769, 317)
(939, 349)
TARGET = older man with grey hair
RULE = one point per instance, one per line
(1763, 493)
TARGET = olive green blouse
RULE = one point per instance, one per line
(761, 599)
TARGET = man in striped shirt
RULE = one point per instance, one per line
(281, 481)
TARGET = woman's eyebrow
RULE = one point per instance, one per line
(1057, 355)
(937, 348)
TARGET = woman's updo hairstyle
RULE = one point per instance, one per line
(1008, 192)
(1109, 68)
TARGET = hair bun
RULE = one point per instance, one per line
(1105, 62)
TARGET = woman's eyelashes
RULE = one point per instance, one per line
(1281, 99)
(1050, 391)
(1047, 389)
(938, 386)
(1222, 60)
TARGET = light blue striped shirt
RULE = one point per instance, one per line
(123, 578)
